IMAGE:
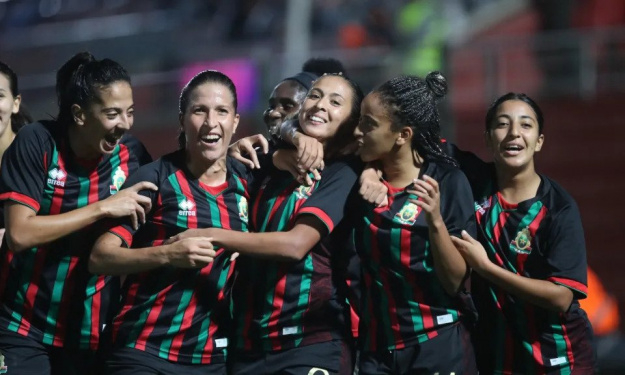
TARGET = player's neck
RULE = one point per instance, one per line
(211, 173)
(5, 139)
(401, 168)
(518, 186)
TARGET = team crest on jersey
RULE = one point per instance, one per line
(522, 242)
(119, 177)
(186, 208)
(56, 177)
(243, 209)
(408, 213)
(303, 192)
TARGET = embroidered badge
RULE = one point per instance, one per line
(119, 177)
(522, 243)
(243, 209)
(303, 192)
(408, 213)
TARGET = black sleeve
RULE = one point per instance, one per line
(328, 202)
(24, 166)
(566, 250)
(457, 206)
(122, 227)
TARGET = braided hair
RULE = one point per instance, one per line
(411, 101)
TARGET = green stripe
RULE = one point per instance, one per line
(85, 328)
(201, 341)
(415, 311)
(377, 284)
(140, 322)
(55, 300)
(25, 276)
(499, 342)
(176, 322)
(560, 343)
(304, 294)
(490, 225)
(240, 196)
(181, 221)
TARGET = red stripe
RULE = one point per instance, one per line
(376, 256)
(249, 318)
(20, 198)
(186, 191)
(31, 292)
(428, 320)
(129, 301)
(223, 212)
(569, 348)
(150, 322)
(96, 305)
(534, 338)
(68, 294)
(373, 324)
(569, 283)
(187, 319)
(320, 214)
(124, 155)
(122, 233)
(212, 328)
(158, 218)
(278, 301)
(57, 195)
(509, 351)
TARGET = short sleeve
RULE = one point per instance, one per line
(24, 166)
(328, 201)
(566, 251)
(122, 228)
(457, 206)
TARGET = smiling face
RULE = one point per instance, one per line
(209, 121)
(374, 133)
(326, 107)
(9, 104)
(514, 136)
(106, 119)
(285, 101)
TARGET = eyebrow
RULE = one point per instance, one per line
(510, 117)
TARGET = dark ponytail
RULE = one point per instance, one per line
(412, 101)
(78, 82)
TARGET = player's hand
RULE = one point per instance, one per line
(247, 146)
(472, 251)
(309, 152)
(192, 252)
(372, 189)
(429, 198)
(128, 202)
(189, 233)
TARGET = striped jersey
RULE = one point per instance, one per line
(47, 292)
(282, 305)
(181, 315)
(541, 238)
(404, 302)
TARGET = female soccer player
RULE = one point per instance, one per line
(175, 315)
(290, 316)
(58, 179)
(530, 262)
(411, 315)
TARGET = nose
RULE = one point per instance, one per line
(275, 113)
(357, 132)
(211, 119)
(127, 121)
(515, 127)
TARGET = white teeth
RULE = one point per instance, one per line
(316, 118)
(211, 137)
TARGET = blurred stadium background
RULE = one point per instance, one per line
(568, 54)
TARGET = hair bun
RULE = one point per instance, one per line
(437, 84)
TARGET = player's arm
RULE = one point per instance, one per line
(25, 229)
(110, 257)
(543, 293)
(292, 245)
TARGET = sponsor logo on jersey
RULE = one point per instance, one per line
(408, 213)
(119, 177)
(522, 242)
(56, 177)
(303, 192)
(186, 208)
(243, 209)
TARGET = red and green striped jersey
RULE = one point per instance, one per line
(540, 238)
(404, 302)
(282, 305)
(181, 315)
(47, 293)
